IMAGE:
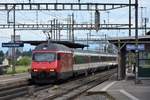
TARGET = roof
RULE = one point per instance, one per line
(66, 43)
(141, 39)
(148, 33)
(52, 46)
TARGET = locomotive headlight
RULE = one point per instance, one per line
(35, 70)
(51, 70)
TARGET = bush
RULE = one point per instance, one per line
(1, 57)
(25, 61)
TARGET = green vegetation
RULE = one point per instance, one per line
(27, 53)
(1, 56)
(24, 61)
(19, 69)
(22, 65)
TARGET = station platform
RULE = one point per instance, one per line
(125, 89)
(5, 79)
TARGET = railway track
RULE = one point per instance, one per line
(88, 83)
(13, 91)
(71, 89)
(67, 90)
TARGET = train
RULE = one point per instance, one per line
(52, 62)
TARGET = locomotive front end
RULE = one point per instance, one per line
(44, 66)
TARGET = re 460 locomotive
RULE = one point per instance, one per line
(53, 62)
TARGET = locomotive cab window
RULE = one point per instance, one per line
(46, 56)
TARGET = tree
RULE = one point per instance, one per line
(110, 48)
(25, 61)
(18, 53)
(27, 53)
(1, 56)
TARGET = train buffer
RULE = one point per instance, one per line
(123, 90)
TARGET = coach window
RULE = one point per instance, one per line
(81, 59)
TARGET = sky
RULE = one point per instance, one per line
(115, 17)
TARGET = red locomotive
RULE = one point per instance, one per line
(52, 62)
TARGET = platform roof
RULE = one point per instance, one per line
(66, 43)
(141, 39)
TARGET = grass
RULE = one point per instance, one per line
(19, 69)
